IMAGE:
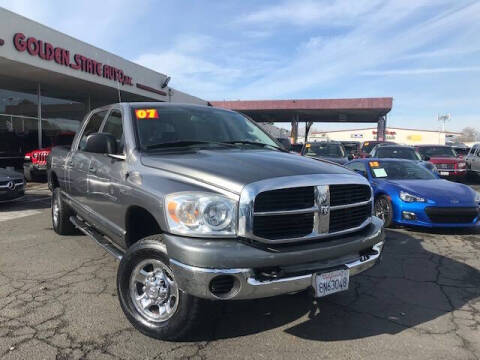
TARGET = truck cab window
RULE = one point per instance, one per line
(114, 126)
(93, 125)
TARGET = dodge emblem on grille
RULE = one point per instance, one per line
(322, 198)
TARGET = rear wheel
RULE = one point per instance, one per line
(149, 294)
(61, 213)
(384, 210)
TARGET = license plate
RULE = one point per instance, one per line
(444, 173)
(331, 282)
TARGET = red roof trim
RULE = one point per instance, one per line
(306, 104)
(388, 128)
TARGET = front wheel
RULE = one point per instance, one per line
(61, 213)
(149, 294)
(384, 210)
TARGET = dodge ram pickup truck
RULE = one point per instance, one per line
(200, 203)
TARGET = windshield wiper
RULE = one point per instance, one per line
(255, 143)
(182, 143)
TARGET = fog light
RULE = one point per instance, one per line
(407, 215)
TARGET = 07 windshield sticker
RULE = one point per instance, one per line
(380, 172)
(146, 114)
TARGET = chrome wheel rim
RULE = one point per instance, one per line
(153, 290)
(55, 211)
(381, 209)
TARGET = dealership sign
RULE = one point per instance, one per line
(61, 56)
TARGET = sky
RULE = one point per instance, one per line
(423, 53)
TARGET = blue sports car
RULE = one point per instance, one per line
(409, 194)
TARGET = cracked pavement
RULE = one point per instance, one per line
(58, 301)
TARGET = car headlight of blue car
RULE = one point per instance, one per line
(407, 197)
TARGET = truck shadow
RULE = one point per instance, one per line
(411, 287)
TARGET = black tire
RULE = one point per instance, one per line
(27, 172)
(384, 210)
(187, 314)
(61, 224)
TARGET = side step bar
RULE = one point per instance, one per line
(99, 239)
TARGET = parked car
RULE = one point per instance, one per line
(285, 142)
(352, 147)
(201, 203)
(408, 194)
(12, 185)
(460, 149)
(473, 160)
(449, 165)
(35, 162)
(296, 148)
(401, 152)
(367, 147)
(327, 150)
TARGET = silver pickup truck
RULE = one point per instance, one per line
(200, 203)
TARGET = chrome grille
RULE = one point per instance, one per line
(445, 166)
(300, 213)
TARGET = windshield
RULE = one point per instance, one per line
(399, 170)
(195, 126)
(437, 151)
(397, 153)
(325, 149)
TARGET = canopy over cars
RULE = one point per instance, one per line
(408, 194)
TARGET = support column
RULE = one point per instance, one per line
(381, 128)
(308, 125)
(294, 131)
(39, 115)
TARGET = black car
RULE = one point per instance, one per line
(327, 150)
(12, 185)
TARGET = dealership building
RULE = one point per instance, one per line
(49, 81)
(398, 135)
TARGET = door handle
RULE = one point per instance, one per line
(92, 169)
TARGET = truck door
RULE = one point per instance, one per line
(106, 181)
(475, 161)
(79, 161)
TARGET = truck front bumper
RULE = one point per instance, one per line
(294, 270)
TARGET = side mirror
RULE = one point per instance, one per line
(426, 157)
(101, 143)
(285, 143)
(350, 157)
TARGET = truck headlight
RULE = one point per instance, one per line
(462, 165)
(410, 198)
(201, 214)
(477, 199)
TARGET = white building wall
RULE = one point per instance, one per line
(398, 135)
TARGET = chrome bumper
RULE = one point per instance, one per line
(196, 280)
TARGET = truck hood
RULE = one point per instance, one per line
(232, 169)
(338, 160)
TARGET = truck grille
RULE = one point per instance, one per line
(292, 213)
(348, 194)
(281, 226)
(285, 199)
(343, 219)
(451, 215)
(445, 166)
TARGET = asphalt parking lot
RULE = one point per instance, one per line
(58, 301)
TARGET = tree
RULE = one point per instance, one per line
(469, 134)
